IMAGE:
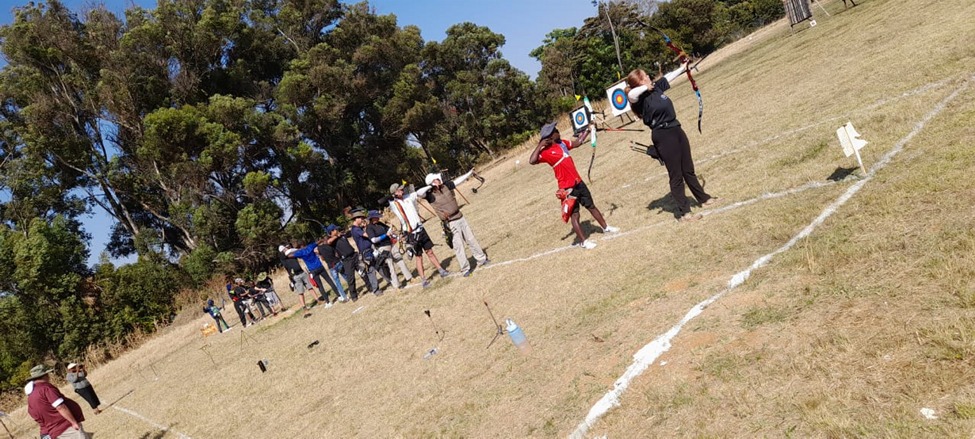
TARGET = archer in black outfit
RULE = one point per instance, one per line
(648, 101)
(348, 257)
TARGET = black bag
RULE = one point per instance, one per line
(655, 154)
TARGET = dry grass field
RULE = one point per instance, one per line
(856, 322)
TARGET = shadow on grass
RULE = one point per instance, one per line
(587, 229)
(665, 203)
(109, 405)
(841, 173)
(158, 434)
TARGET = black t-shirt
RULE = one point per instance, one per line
(376, 230)
(343, 247)
(265, 284)
(290, 264)
(239, 292)
(328, 254)
(657, 109)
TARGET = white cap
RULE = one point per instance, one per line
(431, 177)
(72, 365)
(282, 248)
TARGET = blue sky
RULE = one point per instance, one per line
(524, 23)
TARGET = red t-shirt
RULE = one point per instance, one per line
(557, 156)
(42, 406)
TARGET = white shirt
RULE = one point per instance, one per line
(405, 210)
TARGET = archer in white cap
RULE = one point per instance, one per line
(78, 377)
(441, 198)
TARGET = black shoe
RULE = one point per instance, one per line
(378, 293)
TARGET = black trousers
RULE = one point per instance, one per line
(349, 265)
(242, 310)
(675, 151)
(262, 304)
(88, 393)
(218, 319)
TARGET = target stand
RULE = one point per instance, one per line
(619, 107)
(581, 118)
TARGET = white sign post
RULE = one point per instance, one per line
(851, 143)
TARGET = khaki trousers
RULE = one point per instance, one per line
(72, 433)
(463, 234)
(396, 259)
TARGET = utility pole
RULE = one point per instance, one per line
(612, 29)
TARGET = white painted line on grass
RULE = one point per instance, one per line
(653, 350)
(769, 196)
(360, 308)
(723, 209)
(150, 421)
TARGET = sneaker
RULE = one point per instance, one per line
(485, 263)
(711, 201)
(426, 283)
(588, 244)
(444, 273)
(378, 293)
(343, 300)
(328, 305)
(355, 298)
(611, 229)
(228, 329)
(467, 273)
(689, 218)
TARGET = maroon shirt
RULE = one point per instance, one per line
(41, 406)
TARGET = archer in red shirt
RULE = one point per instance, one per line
(554, 151)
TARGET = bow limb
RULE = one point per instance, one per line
(593, 158)
(592, 126)
(682, 57)
(479, 179)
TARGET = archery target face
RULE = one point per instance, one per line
(617, 98)
(580, 118)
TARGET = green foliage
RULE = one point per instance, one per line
(42, 312)
(199, 264)
(139, 296)
(584, 61)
